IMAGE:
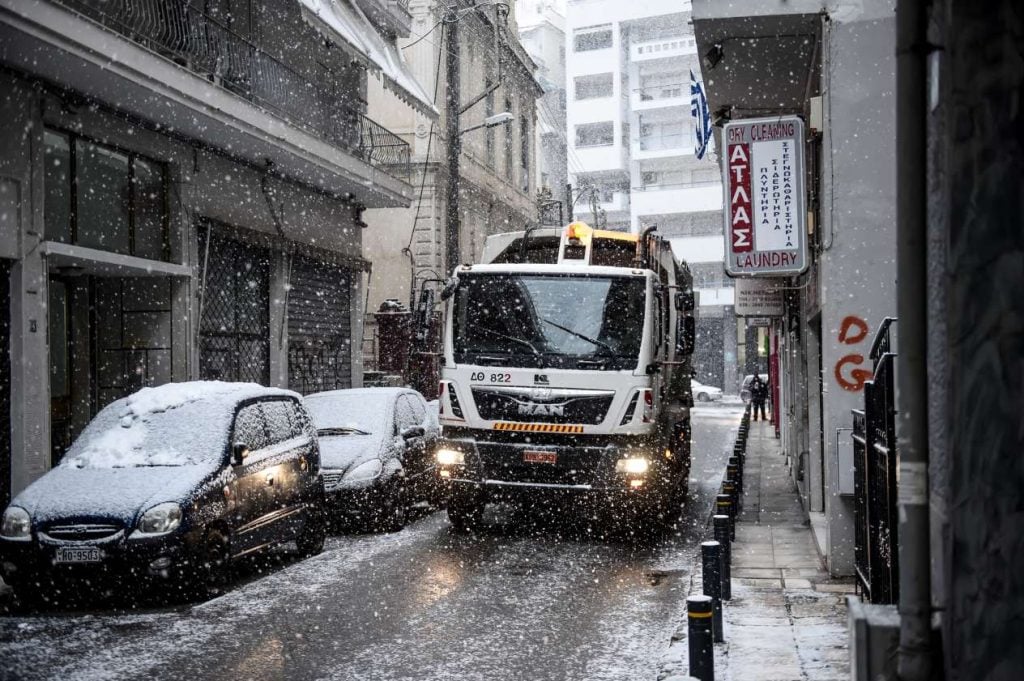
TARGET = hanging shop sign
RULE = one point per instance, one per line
(765, 219)
(758, 298)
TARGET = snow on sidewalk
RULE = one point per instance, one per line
(786, 620)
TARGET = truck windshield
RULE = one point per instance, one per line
(563, 321)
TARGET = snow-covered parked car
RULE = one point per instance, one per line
(170, 485)
(377, 446)
(704, 393)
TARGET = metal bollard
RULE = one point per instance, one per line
(711, 561)
(723, 506)
(700, 637)
(732, 473)
(728, 487)
(721, 524)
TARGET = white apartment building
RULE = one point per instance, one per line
(631, 147)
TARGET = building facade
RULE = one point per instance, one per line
(542, 33)
(181, 197)
(632, 150)
(497, 167)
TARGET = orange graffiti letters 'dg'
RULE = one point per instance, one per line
(852, 380)
(859, 329)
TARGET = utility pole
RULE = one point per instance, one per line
(453, 106)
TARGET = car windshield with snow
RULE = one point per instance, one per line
(170, 485)
(377, 447)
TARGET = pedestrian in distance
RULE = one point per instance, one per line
(758, 395)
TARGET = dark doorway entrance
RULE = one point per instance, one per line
(5, 382)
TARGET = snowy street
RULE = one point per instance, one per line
(528, 599)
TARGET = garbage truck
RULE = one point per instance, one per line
(566, 376)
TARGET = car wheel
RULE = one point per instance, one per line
(314, 532)
(393, 512)
(215, 567)
(466, 512)
(702, 397)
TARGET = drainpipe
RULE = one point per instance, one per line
(914, 661)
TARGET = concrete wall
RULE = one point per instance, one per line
(977, 251)
(857, 263)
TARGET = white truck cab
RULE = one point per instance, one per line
(566, 372)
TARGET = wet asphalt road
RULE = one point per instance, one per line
(533, 597)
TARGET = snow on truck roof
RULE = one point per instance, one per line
(535, 268)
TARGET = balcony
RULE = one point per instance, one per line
(663, 49)
(391, 15)
(661, 96)
(670, 199)
(185, 34)
(662, 145)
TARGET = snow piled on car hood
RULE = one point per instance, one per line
(176, 424)
(67, 493)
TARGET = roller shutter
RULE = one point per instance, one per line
(319, 326)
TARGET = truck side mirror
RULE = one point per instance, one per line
(449, 288)
(685, 301)
(686, 338)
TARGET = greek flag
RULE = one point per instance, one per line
(699, 110)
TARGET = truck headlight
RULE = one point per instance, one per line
(17, 524)
(160, 519)
(450, 457)
(636, 465)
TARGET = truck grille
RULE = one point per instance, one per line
(82, 532)
(543, 405)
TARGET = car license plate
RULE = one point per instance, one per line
(540, 457)
(79, 554)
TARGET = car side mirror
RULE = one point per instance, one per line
(239, 451)
(413, 432)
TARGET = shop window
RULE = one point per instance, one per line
(104, 198)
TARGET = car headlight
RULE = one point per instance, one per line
(160, 519)
(368, 470)
(17, 524)
(450, 457)
(635, 465)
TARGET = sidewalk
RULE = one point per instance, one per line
(786, 620)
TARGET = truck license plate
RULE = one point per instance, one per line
(79, 554)
(540, 457)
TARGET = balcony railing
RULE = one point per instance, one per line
(185, 34)
(668, 91)
(663, 142)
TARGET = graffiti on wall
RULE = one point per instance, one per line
(849, 370)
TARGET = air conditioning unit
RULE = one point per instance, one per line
(874, 639)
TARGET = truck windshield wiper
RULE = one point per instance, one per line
(499, 334)
(593, 341)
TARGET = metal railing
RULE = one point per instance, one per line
(663, 142)
(652, 93)
(874, 463)
(185, 34)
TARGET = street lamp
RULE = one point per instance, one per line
(491, 122)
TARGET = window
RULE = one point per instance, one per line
(104, 198)
(592, 87)
(489, 132)
(509, 143)
(405, 417)
(524, 153)
(595, 134)
(250, 428)
(594, 38)
(279, 421)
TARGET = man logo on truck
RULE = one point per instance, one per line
(535, 409)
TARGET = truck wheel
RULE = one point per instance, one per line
(466, 511)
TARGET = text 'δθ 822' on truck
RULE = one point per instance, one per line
(567, 375)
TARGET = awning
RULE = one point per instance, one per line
(345, 25)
